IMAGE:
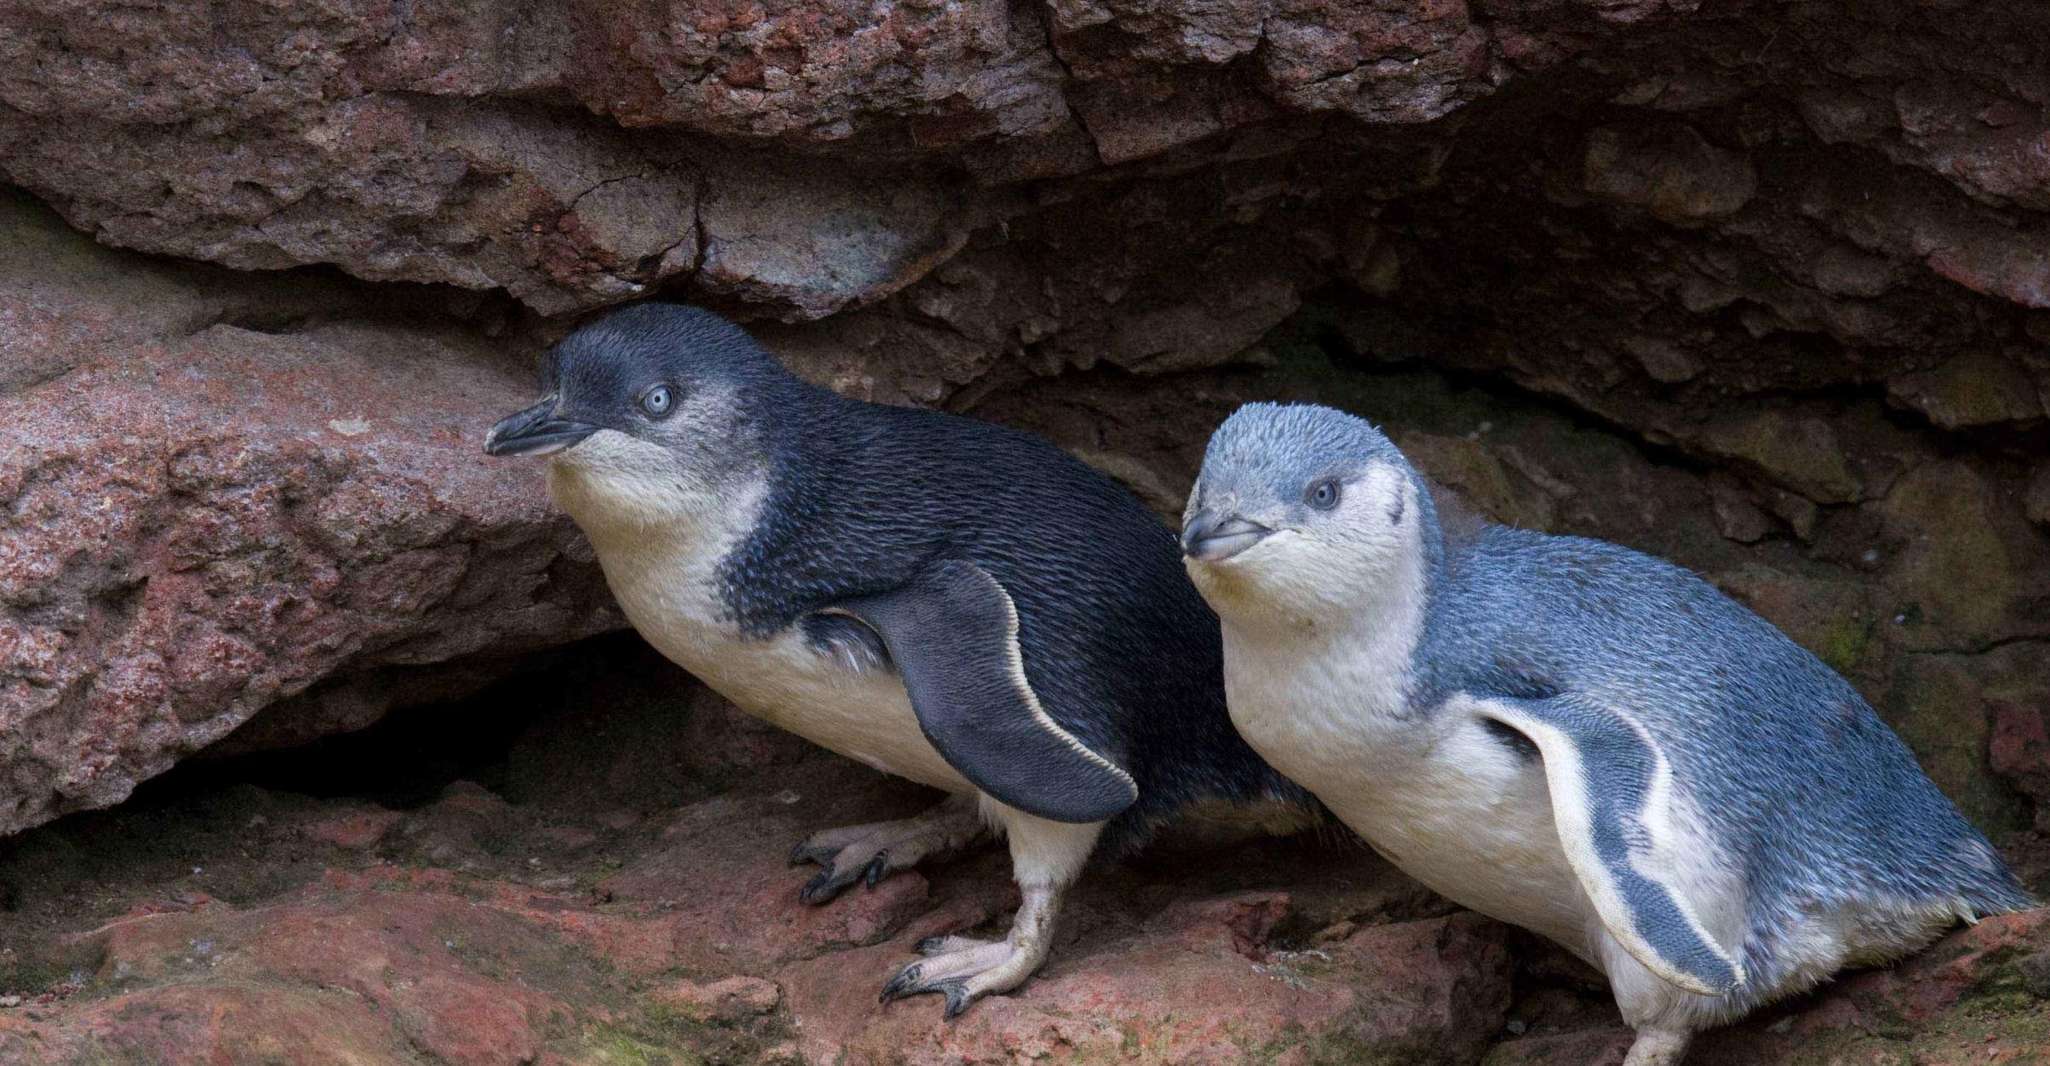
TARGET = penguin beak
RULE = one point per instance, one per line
(1212, 538)
(535, 431)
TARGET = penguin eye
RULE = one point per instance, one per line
(1323, 495)
(656, 401)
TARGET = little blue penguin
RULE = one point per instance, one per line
(943, 599)
(1568, 735)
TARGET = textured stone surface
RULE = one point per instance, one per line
(579, 153)
(605, 901)
(217, 492)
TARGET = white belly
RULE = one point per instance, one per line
(1444, 801)
(862, 714)
(1476, 829)
(666, 581)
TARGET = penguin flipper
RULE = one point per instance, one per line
(953, 633)
(1611, 787)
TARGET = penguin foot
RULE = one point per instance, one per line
(871, 852)
(964, 969)
(1658, 1047)
(968, 972)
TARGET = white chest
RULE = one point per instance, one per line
(666, 580)
(1436, 794)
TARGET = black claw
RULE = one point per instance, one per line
(821, 889)
(901, 985)
(877, 869)
(931, 945)
(958, 998)
(797, 853)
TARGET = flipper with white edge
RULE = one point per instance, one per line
(952, 632)
(1609, 781)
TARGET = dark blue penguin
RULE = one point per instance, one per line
(943, 599)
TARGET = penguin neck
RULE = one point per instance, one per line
(699, 488)
(1383, 631)
(1321, 694)
(1381, 615)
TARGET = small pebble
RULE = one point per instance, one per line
(10, 1001)
(1517, 1027)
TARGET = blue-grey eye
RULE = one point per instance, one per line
(656, 401)
(1323, 495)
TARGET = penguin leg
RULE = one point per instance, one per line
(1658, 1047)
(1664, 1015)
(876, 850)
(1046, 857)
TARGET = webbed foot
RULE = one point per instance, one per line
(871, 852)
(964, 969)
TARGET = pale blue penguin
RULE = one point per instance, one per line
(1568, 735)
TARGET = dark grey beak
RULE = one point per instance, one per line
(535, 431)
(1210, 537)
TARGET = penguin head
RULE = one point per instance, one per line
(1301, 512)
(649, 412)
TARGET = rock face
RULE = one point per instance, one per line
(220, 492)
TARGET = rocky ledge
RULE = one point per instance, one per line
(608, 884)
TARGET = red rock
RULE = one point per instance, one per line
(203, 519)
(355, 830)
(722, 873)
(720, 741)
(1239, 923)
(1991, 264)
(1933, 981)
(409, 145)
(213, 1023)
(728, 999)
(1432, 990)
(469, 1022)
(2019, 750)
(696, 949)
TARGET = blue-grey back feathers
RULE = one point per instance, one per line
(1804, 790)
